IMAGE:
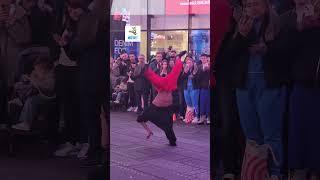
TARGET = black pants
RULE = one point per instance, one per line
(232, 139)
(182, 103)
(69, 101)
(145, 97)
(132, 95)
(90, 122)
(161, 117)
(3, 103)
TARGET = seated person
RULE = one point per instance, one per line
(42, 84)
(120, 90)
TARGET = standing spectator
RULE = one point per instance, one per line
(141, 85)
(15, 34)
(114, 71)
(165, 69)
(204, 74)
(155, 66)
(304, 124)
(191, 79)
(85, 49)
(260, 77)
(132, 95)
(132, 58)
(41, 20)
(67, 91)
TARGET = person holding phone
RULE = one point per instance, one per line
(260, 79)
(303, 151)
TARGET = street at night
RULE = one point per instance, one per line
(135, 157)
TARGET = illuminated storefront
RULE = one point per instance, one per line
(182, 24)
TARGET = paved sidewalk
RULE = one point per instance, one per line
(136, 158)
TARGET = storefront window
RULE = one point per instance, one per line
(182, 24)
(199, 42)
(161, 40)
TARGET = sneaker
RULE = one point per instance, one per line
(129, 109)
(83, 151)
(16, 101)
(195, 120)
(22, 126)
(135, 109)
(229, 177)
(65, 150)
(274, 177)
(208, 121)
(202, 120)
(116, 101)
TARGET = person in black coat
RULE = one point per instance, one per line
(141, 85)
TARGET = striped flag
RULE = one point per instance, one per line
(255, 162)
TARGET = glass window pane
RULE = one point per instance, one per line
(161, 40)
(143, 44)
(200, 22)
(199, 42)
(169, 22)
(133, 7)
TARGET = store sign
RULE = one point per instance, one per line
(180, 7)
(119, 44)
(133, 33)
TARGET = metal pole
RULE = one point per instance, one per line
(148, 33)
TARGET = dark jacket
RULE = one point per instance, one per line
(140, 81)
(204, 78)
(85, 48)
(275, 61)
(306, 57)
(195, 80)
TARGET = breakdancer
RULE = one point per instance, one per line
(160, 111)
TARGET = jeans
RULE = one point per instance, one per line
(205, 102)
(90, 122)
(30, 108)
(261, 113)
(191, 97)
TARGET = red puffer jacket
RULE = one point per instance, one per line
(221, 16)
(168, 83)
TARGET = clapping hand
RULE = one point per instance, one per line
(245, 25)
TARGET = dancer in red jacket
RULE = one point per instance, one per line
(160, 111)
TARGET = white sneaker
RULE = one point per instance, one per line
(117, 102)
(208, 120)
(195, 120)
(65, 150)
(16, 101)
(83, 151)
(129, 109)
(202, 120)
(22, 126)
(135, 109)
